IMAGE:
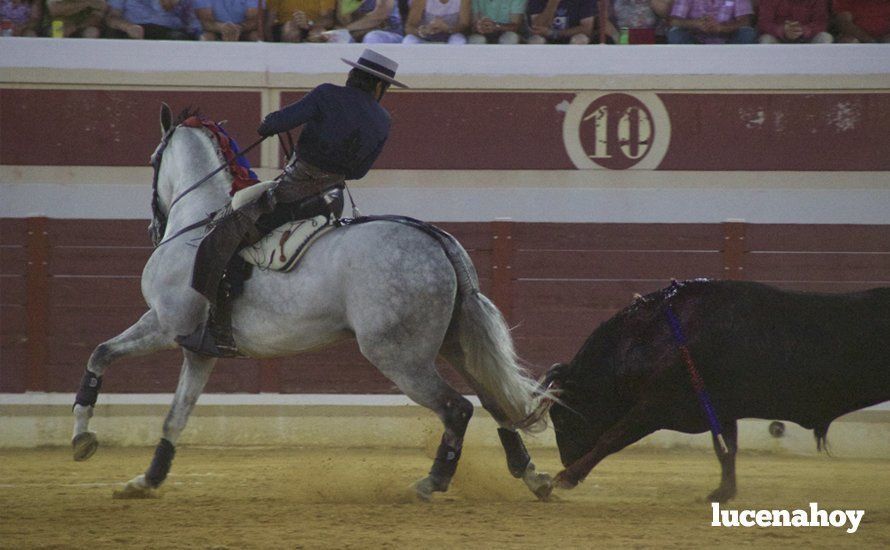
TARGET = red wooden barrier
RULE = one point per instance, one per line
(37, 302)
(67, 285)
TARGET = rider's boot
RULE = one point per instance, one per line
(214, 337)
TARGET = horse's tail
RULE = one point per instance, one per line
(490, 360)
(492, 363)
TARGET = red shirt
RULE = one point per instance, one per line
(872, 16)
(811, 14)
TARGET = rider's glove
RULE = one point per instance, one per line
(265, 129)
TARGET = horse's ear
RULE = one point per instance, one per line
(166, 118)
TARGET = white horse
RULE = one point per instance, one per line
(406, 296)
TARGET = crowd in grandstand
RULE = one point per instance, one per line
(457, 21)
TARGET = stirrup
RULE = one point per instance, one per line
(203, 342)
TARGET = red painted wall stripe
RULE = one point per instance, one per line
(108, 128)
(474, 130)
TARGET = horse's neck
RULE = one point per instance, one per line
(198, 159)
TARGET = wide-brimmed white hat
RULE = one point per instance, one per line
(378, 65)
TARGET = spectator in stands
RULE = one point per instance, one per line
(644, 19)
(367, 21)
(152, 19)
(496, 21)
(560, 21)
(793, 21)
(862, 20)
(21, 17)
(299, 20)
(80, 18)
(437, 21)
(228, 20)
(711, 22)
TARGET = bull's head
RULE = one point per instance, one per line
(585, 410)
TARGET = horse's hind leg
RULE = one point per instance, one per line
(518, 460)
(196, 371)
(414, 372)
(455, 413)
(453, 409)
(142, 338)
(521, 466)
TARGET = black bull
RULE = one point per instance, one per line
(761, 352)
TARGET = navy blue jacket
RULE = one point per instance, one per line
(345, 129)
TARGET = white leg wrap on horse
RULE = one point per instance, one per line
(82, 416)
(136, 488)
(540, 484)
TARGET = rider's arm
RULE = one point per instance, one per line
(293, 115)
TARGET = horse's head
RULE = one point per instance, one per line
(158, 224)
(188, 157)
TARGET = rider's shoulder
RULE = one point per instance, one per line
(327, 87)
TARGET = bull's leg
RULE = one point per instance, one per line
(196, 371)
(727, 488)
(142, 338)
(634, 426)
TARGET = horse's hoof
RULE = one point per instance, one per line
(425, 488)
(542, 486)
(84, 444)
(136, 488)
(562, 481)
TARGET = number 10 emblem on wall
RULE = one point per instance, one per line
(616, 131)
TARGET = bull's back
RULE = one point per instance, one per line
(803, 357)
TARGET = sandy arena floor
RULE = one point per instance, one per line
(354, 498)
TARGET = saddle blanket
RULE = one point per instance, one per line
(281, 249)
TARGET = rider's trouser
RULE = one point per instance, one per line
(298, 194)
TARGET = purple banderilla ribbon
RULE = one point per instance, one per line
(697, 383)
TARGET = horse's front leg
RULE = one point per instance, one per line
(142, 338)
(521, 466)
(196, 371)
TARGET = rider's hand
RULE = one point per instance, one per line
(265, 130)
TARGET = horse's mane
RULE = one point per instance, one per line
(187, 113)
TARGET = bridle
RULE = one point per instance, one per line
(158, 225)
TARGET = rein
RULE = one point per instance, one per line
(159, 222)
(186, 229)
(215, 172)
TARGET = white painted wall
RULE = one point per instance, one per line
(573, 196)
(40, 419)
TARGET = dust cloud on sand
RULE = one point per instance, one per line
(236, 497)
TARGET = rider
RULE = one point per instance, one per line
(345, 129)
